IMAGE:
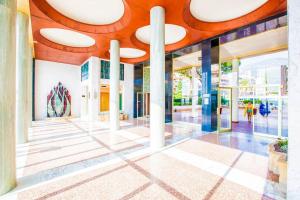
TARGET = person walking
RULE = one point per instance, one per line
(249, 111)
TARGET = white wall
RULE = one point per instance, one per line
(47, 75)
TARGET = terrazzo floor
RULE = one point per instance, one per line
(73, 159)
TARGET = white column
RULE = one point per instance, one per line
(8, 10)
(93, 88)
(29, 87)
(128, 89)
(84, 104)
(157, 77)
(235, 90)
(23, 53)
(195, 88)
(293, 180)
(114, 90)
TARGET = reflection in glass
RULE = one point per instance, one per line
(225, 108)
(266, 117)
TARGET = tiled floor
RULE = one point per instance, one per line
(72, 159)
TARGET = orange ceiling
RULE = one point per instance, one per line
(137, 14)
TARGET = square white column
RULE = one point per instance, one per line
(293, 179)
(93, 88)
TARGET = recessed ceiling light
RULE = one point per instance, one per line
(67, 37)
(94, 12)
(222, 10)
(173, 34)
(131, 53)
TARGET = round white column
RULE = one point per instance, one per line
(235, 90)
(23, 54)
(114, 107)
(29, 87)
(157, 77)
(8, 10)
(194, 92)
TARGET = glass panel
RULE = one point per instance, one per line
(139, 104)
(105, 65)
(85, 71)
(266, 116)
(122, 72)
(225, 109)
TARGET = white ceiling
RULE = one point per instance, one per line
(223, 10)
(67, 37)
(173, 34)
(188, 60)
(95, 12)
(131, 53)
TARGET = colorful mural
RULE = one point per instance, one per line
(59, 102)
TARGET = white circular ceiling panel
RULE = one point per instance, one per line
(94, 12)
(131, 53)
(67, 37)
(173, 34)
(223, 10)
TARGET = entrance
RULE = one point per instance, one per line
(143, 104)
(104, 101)
(225, 109)
(139, 104)
(271, 117)
(146, 104)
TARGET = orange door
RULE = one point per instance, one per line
(104, 101)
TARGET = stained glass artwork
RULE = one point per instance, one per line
(59, 102)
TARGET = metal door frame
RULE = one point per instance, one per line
(220, 130)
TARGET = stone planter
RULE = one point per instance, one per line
(273, 159)
(282, 167)
(278, 165)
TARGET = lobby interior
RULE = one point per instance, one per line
(149, 99)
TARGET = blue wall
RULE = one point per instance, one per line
(210, 56)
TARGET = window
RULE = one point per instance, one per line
(105, 70)
(85, 71)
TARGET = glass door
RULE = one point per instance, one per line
(140, 104)
(266, 118)
(271, 117)
(147, 105)
(224, 109)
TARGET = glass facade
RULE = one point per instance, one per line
(85, 71)
(252, 29)
(216, 76)
(105, 70)
(138, 90)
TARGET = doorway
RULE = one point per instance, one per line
(224, 109)
(139, 104)
(147, 104)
